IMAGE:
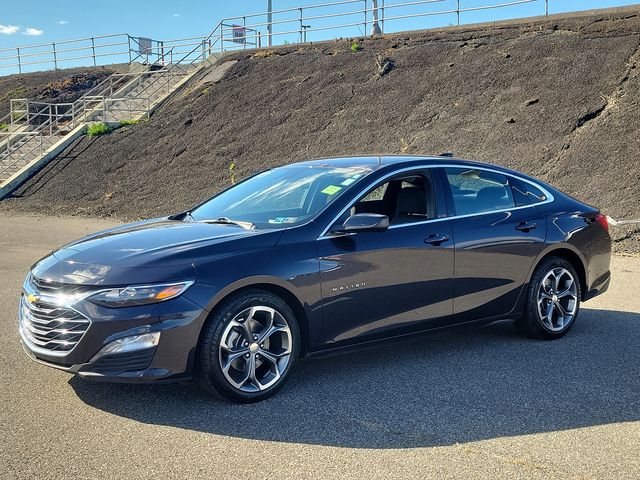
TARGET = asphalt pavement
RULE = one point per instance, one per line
(479, 403)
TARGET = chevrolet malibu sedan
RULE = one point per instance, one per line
(309, 259)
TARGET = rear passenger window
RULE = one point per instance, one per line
(525, 193)
(478, 191)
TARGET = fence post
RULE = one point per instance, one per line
(366, 4)
(129, 44)
(222, 38)
(93, 50)
(55, 57)
(546, 7)
(458, 10)
(19, 61)
(244, 33)
(382, 17)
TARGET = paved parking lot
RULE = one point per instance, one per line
(469, 404)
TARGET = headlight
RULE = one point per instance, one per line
(139, 295)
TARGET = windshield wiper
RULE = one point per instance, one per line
(228, 221)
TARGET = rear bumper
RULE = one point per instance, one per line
(600, 286)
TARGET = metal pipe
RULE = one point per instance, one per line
(375, 26)
(458, 11)
(270, 20)
(364, 26)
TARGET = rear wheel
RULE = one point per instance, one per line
(248, 347)
(553, 300)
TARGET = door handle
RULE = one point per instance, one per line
(435, 239)
(525, 226)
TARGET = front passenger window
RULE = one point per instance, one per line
(478, 191)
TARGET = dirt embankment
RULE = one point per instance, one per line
(558, 98)
(58, 86)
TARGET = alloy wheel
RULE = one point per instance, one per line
(557, 299)
(255, 349)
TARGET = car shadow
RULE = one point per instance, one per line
(434, 390)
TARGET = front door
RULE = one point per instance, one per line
(379, 284)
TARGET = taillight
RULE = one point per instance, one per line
(602, 220)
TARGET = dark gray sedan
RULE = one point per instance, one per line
(309, 259)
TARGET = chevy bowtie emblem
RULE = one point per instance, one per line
(32, 298)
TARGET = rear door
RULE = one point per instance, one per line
(498, 233)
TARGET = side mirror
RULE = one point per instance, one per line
(364, 222)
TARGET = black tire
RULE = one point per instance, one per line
(531, 323)
(209, 371)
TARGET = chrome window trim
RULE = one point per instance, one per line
(550, 198)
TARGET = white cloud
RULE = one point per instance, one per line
(32, 32)
(177, 14)
(63, 22)
(8, 29)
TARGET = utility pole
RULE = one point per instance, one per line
(375, 27)
(269, 20)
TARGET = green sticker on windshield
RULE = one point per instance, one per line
(331, 190)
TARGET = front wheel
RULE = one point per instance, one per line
(248, 347)
(553, 300)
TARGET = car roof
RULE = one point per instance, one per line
(375, 162)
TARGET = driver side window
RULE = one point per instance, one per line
(404, 199)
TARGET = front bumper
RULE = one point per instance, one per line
(179, 322)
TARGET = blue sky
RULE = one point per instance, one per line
(38, 21)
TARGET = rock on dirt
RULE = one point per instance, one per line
(557, 98)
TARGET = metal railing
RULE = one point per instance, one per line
(322, 21)
(30, 120)
(348, 18)
(97, 50)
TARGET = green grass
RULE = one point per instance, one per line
(4, 126)
(126, 123)
(356, 47)
(98, 129)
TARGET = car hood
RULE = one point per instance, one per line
(145, 252)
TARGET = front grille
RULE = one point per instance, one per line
(54, 289)
(51, 327)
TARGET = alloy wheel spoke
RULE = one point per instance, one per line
(556, 280)
(232, 354)
(273, 329)
(285, 352)
(249, 373)
(566, 293)
(562, 312)
(271, 358)
(549, 314)
(245, 327)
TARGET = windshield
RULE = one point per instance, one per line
(282, 197)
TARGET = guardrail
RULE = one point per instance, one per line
(97, 50)
(315, 22)
(348, 18)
